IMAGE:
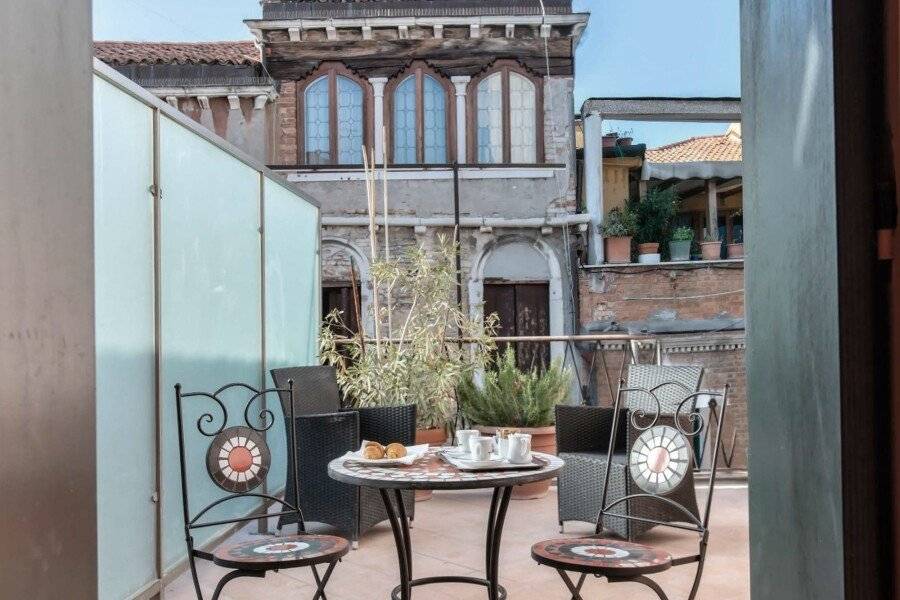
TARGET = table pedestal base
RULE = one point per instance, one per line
(400, 526)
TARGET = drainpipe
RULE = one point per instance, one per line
(593, 182)
(456, 241)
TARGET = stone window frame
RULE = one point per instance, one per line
(505, 67)
(332, 70)
(419, 69)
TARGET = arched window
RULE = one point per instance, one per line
(507, 107)
(333, 115)
(419, 118)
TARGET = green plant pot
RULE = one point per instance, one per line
(680, 250)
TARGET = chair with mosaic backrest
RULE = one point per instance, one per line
(583, 434)
(660, 458)
(238, 461)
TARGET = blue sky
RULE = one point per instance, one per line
(631, 47)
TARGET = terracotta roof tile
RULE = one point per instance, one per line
(709, 148)
(222, 53)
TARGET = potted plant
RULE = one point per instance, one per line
(710, 247)
(736, 247)
(617, 230)
(523, 400)
(653, 214)
(680, 244)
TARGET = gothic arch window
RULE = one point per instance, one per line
(419, 117)
(333, 116)
(507, 125)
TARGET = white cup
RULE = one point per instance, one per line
(463, 436)
(480, 448)
(502, 445)
(519, 451)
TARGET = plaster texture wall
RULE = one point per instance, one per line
(49, 543)
(245, 127)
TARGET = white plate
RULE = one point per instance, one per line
(413, 453)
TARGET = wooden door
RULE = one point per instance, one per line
(524, 310)
(340, 297)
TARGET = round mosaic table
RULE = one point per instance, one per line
(433, 473)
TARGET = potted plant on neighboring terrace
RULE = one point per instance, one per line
(736, 247)
(680, 244)
(617, 230)
(710, 247)
(653, 213)
(509, 398)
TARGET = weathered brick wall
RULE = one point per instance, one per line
(285, 130)
(722, 358)
(723, 366)
(702, 291)
(637, 293)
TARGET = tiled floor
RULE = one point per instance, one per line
(448, 538)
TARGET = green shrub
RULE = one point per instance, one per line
(683, 234)
(510, 397)
(654, 213)
(620, 222)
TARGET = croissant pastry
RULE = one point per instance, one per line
(395, 451)
(373, 451)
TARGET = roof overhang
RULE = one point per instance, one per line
(713, 110)
(578, 22)
(713, 169)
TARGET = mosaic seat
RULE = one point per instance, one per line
(601, 556)
(283, 552)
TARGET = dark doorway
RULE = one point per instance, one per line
(341, 297)
(524, 310)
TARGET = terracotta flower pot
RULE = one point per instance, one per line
(433, 437)
(649, 248)
(736, 250)
(711, 250)
(618, 249)
(543, 439)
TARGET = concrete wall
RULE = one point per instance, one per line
(47, 418)
(796, 505)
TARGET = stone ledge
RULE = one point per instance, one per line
(733, 263)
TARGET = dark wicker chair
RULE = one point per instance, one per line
(659, 463)
(583, 433)
(325, 431)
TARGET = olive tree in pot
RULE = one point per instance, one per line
(617, 229)
(654, 213)
(413, 358)
(510, 398)
(680, 244)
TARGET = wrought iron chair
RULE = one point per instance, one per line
(583, 434)
(660, 458)
(326, 431)
(238, 461)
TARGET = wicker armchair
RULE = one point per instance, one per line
(583, 433)
(326, 431)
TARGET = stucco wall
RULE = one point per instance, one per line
(247, 128)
